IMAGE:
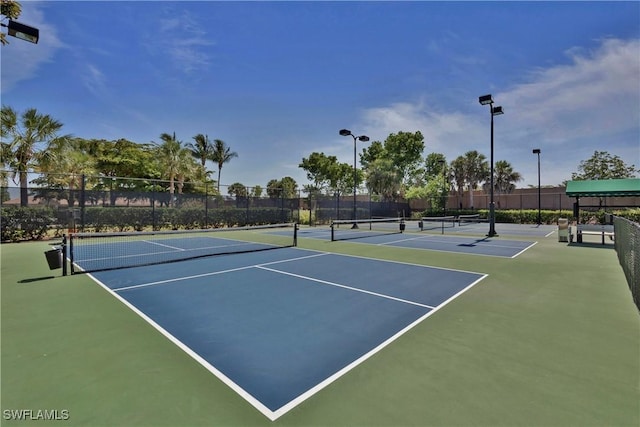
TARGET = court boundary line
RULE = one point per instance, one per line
(327, 381)
(212, 273)
(248, 397)
(338, 285)
(195, 356)
(391, 244)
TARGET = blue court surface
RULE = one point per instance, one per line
(435, 242)
(278, 326)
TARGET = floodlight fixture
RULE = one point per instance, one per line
(22, 31)
(485, 99)
(496, 111)
(536, 151)
(363, 138)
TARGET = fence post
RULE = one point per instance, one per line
(206, 205)
(82, 200)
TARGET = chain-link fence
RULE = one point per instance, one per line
(627, 246)
(103, 203)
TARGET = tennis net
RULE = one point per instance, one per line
(361, 228)
(436, 223)
(470, 219)
(92, 252)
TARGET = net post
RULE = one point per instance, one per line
(295, 234)
(333, 237)
(64, 255)
(71, 261)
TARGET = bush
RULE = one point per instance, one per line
(25, 223)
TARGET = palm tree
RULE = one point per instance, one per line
(202, 150)
(64, 164)
(221, 154)
(505, 177)
(169, 158)
(476, 171)
(458, 175)
(27, 136)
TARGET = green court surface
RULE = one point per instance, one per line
(550, 338)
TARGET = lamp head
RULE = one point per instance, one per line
(363, 138)
(23, 32)
(536, 151)
(496, 111)
(345, 132)
(485, 99)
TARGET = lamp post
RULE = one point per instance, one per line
(495, 111)
(363, 138)
(444, 187)
(537, 151)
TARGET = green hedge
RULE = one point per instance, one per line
(20, 223)
(25, 223)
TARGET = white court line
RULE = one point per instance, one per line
(213, 273)
(324, 282)
(274, 415)
(161, 244)
(530, 246)
(307, 394)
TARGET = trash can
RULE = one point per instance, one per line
(54, 258)
(563, 230)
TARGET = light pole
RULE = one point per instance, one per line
(495, 111)
(363, 138)
(537, 151)
(443, 163)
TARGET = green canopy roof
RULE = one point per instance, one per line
(604, 188)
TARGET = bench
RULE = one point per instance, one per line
(594, 229)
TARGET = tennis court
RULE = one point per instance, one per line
(388, 234)
(547, 338)
(275, 326)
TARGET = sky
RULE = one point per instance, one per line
(277, 80)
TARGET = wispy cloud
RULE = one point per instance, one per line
(94, 80)
(184, 39)
(589, 102)
(21, 60)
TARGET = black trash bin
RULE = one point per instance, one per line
(54, 258)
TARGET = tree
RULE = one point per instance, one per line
(64, 165)
(404, 152)
(221, 155)
(12, 10)
(603, 165)
(169, 158)
(238, 190)
(476, 170)
(257, 191)
(285, 188)
(202, 150)
(405, 149)
(372, 153)
(459, 175)
(383, 179)
(31, 134)
(328, 174)
(505, 177)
